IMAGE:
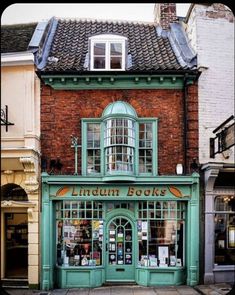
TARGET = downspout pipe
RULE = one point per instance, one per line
(185, 122)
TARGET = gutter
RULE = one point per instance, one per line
(185, 135)
(17, 59)
(123, 73)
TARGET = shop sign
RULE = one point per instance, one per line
(118, 191)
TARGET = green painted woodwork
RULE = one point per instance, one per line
(69, 277)
(79, 278)
(119, 108)
(120, 175)
(116, 81)
(122, 272)
(160, 276)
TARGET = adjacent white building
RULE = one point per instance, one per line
(210, 28)
(20, 159)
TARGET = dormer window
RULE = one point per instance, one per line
(107, 53)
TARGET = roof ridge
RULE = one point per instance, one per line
(119, 21)
(20, 24)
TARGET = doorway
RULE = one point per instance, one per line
(120, 250)
(16, 246)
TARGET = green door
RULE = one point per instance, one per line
(120, 250)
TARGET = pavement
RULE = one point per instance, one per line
(217, 289)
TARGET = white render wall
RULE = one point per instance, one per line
(213, 40)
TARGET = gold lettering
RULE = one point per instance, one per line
(147, 192)
(95, 192)
(163, 192)
(74, 193)
(138, 192)
(131, 191)
(86, 192)
(103, 192)
(155, 192)
(114, 192)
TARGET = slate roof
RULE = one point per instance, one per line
(148, 50)
(15, 38)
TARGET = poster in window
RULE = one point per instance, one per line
(231, 237)
(221, 244)
(163, 255)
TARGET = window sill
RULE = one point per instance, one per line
(224, 267)
(161, 267)
(80, 267)
(126, 178)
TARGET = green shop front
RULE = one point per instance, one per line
(144, 232)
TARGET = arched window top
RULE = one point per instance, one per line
(119, 108)
(108, 37)
(13, 192)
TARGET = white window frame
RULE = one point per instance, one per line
(107, 39)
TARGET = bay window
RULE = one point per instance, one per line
(119, 143)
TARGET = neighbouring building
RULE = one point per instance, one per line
(119, 114)
(210, 27)
(20, 153)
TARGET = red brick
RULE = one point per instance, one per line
(69, 107)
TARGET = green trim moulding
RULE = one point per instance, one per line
(77, 188)
(144, 81)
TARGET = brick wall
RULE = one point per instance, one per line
(61, 113)
(164, 14)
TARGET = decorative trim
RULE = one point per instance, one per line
(115, 81)
(155, 180)
(20, 204)
(210, 174)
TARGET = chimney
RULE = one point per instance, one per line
(164, 14)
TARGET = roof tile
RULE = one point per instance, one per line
(148, 50)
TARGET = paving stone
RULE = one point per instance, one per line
(100, 291)
(79, 291)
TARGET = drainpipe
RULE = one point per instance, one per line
(185, 137)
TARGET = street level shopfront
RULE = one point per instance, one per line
(94, 232)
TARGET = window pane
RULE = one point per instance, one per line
(161, 230)
(116, 49)
(79, 240)
(145, 147)
(115, 62)
(99, 62)
(99, 49)
(225, 230)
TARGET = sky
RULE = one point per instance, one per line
(34, 12)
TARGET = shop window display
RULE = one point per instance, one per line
(160, 228)
(225, 230)
(79, 233)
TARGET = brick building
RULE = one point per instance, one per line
(119, 132)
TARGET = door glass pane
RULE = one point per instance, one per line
(120, 242)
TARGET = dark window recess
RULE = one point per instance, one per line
(225, 179)
(13, 192)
